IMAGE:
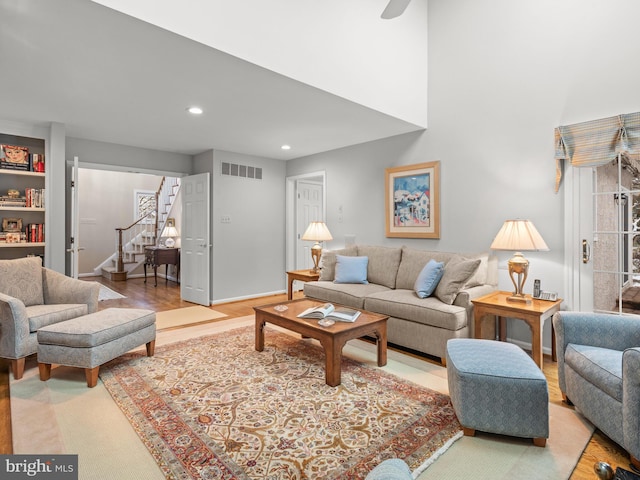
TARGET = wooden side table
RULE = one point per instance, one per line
(301, 275)
(533, 313)
(156, 256)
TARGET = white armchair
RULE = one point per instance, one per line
(32, 297)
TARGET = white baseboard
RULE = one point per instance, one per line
(527, 346)
(246, 297)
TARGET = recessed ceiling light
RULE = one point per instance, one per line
(195, 110)
(286, 147)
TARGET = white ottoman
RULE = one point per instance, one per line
(92, 340)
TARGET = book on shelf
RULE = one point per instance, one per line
(36, 162)
(34, 197)
(329, 311)
(14, 157)
(35, 232)
(6, 201)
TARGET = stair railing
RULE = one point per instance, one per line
(126, 236)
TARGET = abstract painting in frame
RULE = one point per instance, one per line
(412, 195)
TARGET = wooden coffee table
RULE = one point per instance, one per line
(331, 338)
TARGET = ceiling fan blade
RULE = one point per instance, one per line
(394, 9)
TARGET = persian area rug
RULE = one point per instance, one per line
(213, 407)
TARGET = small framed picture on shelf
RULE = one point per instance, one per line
(13, 237)
(12, 225)
(14, 157)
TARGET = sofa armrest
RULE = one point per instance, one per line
(464, 297)
(631, 400)
(14, 327)
(59, 288)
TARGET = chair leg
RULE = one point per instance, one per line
(92, 376)
(566, 400)
(469, 432)
(17, 367)
(45, 371)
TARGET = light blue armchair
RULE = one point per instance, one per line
(599, 372)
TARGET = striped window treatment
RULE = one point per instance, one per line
(596, 142)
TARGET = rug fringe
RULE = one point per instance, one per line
(436, 455)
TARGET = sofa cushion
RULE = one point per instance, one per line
(21, 278)
(347, 294)
(400, 303)
(456, 273)
(383, 264)
(412, 262)
(601, 367)
(44, 315)
(428, 278)
(351, 269)
(328, 261)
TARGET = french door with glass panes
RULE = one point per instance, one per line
(611, 251)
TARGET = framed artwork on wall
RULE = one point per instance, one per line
(412, 201)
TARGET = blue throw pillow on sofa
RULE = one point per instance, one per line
(428, 278)
(351, 269)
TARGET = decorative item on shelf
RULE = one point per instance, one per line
(170, 232)
(13, 193)
(11, 224)
(13, 237)
(518, 236)
(316, 232)
(14, 157)
(37, 162)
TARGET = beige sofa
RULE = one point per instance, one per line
(422, 324)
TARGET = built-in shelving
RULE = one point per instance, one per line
(22, 180)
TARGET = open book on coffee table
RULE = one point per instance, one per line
(330, 312)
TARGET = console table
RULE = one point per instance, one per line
(156, 256)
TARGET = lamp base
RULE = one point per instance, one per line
(316, 253)
(517, 298)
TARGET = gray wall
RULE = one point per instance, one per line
(502, 75)
(248, 252)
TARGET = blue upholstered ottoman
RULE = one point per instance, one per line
(496, 387)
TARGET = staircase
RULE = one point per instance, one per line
(131, 241)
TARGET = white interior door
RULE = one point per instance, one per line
(195, 251)
(309, 208)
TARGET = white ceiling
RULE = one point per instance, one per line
(109, 77)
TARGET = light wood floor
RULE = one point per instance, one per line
(167, 297)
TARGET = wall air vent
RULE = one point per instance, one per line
(244, 171)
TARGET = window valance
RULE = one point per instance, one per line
(597, 142)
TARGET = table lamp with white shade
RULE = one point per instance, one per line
(518, 236)
(316, 232)
(170, 232)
